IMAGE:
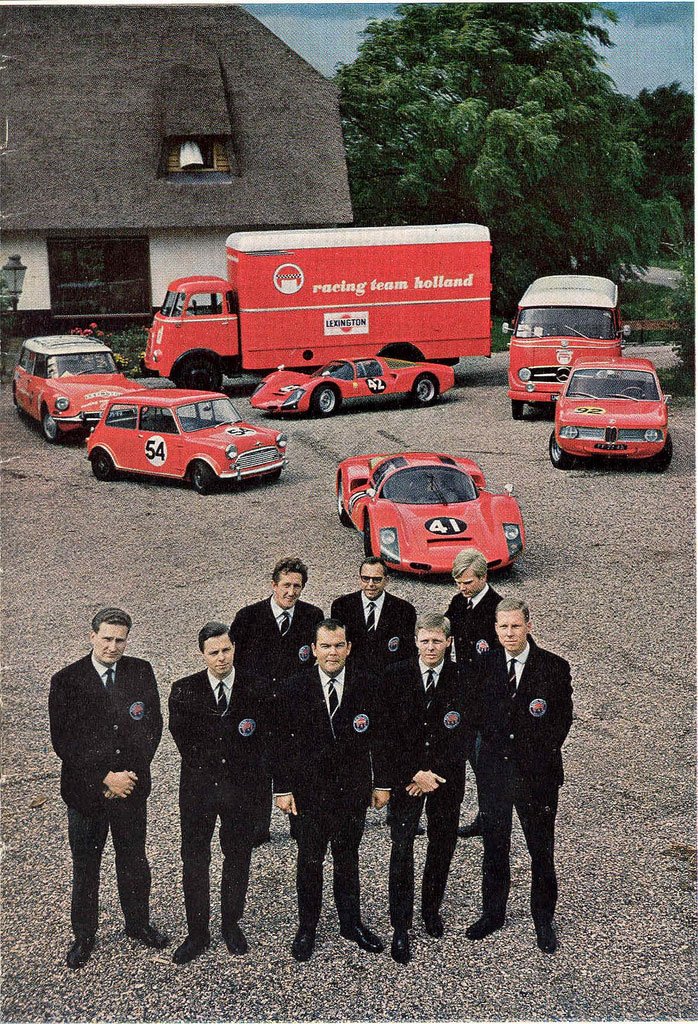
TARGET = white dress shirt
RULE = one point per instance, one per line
(227, 684)
(378, 606)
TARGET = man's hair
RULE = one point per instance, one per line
(113, 617)
(331, 625)
(286, 565)
(469, 558)
(512, 604)
(433, 620)
(373, 560)
(210, 630)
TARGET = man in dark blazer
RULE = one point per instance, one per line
(328, 731)
(425, 702)
(220, 723)
(471, 614)
(273, 640)
(379, 625)
(104, 713)
(521, 703)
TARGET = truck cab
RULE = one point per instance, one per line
(194, 335)
(560, 320)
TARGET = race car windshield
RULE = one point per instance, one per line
(76, 364)
(611, 383)
(338, 369)
(429, 485)
(206, 414)
(565, 322)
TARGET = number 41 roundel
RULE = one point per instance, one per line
(156, 450)
(445, 525)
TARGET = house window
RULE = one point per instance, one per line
(196, 157)
(99, 276)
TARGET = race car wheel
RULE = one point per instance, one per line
(199, 373)
(368, 546)
(341, 511)
(425, 389)
(662, 460)
(559, 459)
(49, 427)
(201, 477)
(102, 465)
(325, 401)
(517, 409)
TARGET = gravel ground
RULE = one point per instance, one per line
(609, 573)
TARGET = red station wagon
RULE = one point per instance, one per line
(614, 408)
(64, 382)
(191, 435)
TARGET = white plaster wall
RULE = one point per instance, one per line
(182, 254)
(32, 250)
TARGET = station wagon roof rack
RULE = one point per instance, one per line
(64, 344)
(571, 290)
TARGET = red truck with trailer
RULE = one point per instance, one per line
(303, 297)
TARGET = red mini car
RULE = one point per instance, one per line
(64, 382)
(612, 408)
(192, 435)
(323, 392)
(417, 510)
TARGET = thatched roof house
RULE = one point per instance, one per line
(145, 135)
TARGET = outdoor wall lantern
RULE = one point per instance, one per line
(13, 272)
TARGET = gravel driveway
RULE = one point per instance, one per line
(609, 574)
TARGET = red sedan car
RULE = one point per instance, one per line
(417, 510)
(64, 382)
(322, 393)
(613, 408)
(191, 435)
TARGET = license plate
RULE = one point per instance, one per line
(608, 447)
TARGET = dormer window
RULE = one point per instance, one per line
(197, 157)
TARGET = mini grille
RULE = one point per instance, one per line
(257, 457)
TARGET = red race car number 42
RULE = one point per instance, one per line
(445, 525)
(375, 384)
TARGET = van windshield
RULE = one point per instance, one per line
(565, 322)
(172, 306)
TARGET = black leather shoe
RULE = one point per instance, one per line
(484, 925)
(261, 839)
(190, 949)
(79, 953)
(547, 939)
(148, 936)
(473, 829)
(363, 937)
(400, 948)
(433, 925)
(235, 940)
(303, 944)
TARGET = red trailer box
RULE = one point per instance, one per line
(301, 298)
(560, 320)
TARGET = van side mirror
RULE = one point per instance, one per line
(626, 330)
(506, 329)
(667, 399)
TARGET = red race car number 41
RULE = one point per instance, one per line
(446, 525)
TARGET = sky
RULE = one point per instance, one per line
(653, 41)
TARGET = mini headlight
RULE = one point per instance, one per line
(281, 440)
(653, 435)
(389, 544)
(569, 432)
(231, 452)
(524, 373)
(511, 531)
(62, 403)
(293, 399)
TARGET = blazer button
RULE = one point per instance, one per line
(118, 751)
(511, 736)
(116, 728)
(222, 760)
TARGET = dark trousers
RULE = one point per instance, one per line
(237, 836)
(343, 831)
(127, 822)
(443, 810)
(536, 810)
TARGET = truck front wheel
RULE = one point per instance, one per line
(199, 373)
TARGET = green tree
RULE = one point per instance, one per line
(665, 137)
(499, 114)
(682, 307)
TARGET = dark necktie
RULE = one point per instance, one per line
(468, 605)
(512, 677)
(371, 618)
(221, 699)
(285, 623)
(332, 695)
(430, 688)
(109, 679)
